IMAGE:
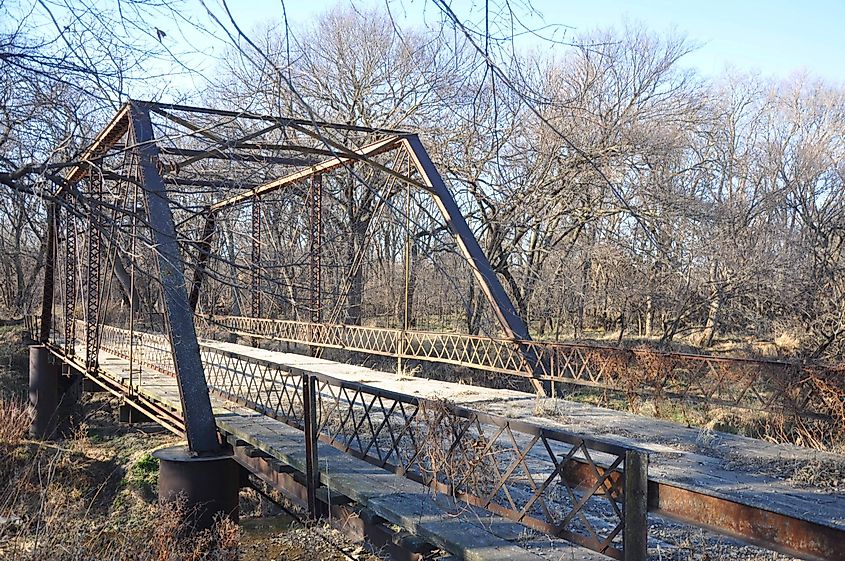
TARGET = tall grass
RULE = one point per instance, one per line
(14, 420)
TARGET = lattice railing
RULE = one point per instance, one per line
(791, 389)
(554, 481)
(768, 385)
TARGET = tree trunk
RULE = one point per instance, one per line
(355, 298)
(711, 326)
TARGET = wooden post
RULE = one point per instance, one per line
(635, 506)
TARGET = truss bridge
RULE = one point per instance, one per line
(222, 273)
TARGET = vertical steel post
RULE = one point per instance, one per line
(256, 258)
(70, 278)
(635, 506)
(203, 254)
(49, 272)
(93, 280)
(312, 467)
(200, 427)
(406, 277)
(255, 308)
(315, 248)
(132, 296)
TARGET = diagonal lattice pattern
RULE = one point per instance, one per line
(765, 385)
(553, 481)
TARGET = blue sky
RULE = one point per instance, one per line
(776, 37)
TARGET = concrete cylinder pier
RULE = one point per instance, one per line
(206, 486)
(43, 392)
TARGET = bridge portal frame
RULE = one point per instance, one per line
(133, 122)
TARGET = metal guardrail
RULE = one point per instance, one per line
(767, 385)
(585, 490)
(812, 394)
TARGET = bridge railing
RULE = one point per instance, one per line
(809, 398)
(764, 385)
(586, 490)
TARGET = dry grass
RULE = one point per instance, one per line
(14, 420)
(58, 504)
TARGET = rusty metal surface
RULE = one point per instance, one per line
(771, 530)
(49, 272)
(93, 277)
(255, 248)
(203, 252)
(69, 279)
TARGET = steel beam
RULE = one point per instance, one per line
(255, 262)
(780, 532)
(70, 277)
(94, 273)
(220, 154)
(504, 309)
(108, 136)
(509, 319)
(327, 165)
(203, 254)
(315, 246)
(49, 271)
(200, 428)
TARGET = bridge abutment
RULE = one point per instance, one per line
(205, 487)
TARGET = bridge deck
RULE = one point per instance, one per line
(471, 533)
(732, 467)
(739, 474)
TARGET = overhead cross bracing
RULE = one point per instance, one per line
(223, 161)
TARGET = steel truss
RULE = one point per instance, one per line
(131, 134)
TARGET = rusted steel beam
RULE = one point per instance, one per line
(221, 154)
(312, 466)
(315, 245)
(504, 309)
(368, 151)
(201, 430)
(203, 254)
(116, 128)
(509, 319)
(787, 534)
(49, 272)
(255, 258)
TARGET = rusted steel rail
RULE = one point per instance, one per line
(763, 385)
